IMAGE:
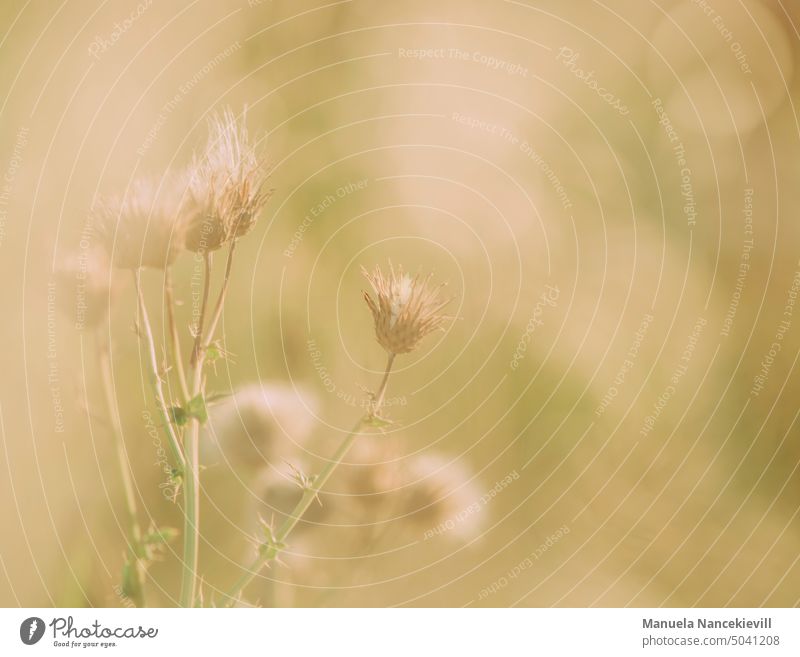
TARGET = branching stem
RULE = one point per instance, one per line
(203, 338)
(270, 552)
(155, 377)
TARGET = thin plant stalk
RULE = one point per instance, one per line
(191, 516)
(158, 393)
(215, 317)
(203, 338)
(191, 512)
(198, 336)
(155, 377)
(175, 341)
(272, 550)
(134, 530)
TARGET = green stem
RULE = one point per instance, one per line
(158, 392)
(191, 512)
(155, 377)
(270, 552)
(175, 340)
(136, 592)
(191, 516)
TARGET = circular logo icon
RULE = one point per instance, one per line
(31, 630)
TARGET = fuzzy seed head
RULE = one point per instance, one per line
(226, 186)
(86, 286)
(405, 308)
(258, 426)
(144, 227)
(442, 494)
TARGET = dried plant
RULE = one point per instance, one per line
(441, 494)
(227, 186)
(407, 310)
(202, 209)
(91, 285)
(144, 227)
(259, 427)
(88, 278)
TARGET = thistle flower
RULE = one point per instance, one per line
(257, 426)
(405, 309)
(442, 497)
(425, 493)
(226, 186)
(144, 227)
(87, 278)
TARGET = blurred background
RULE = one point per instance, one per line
(610, 190)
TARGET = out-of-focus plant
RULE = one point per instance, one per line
(207, 207)
(202, 209)
(405, 309)
(88, 277)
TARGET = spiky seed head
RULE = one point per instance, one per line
(144, 228)
(226, 186)
(405, 308)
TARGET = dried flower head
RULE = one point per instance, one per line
(258, 426)
(88, 281)
(426, 494)
(144, 227)
(227, 186)
(405, 309)
(442, 497)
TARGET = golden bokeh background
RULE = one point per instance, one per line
(610, 189)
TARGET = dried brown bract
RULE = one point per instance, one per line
(405, 308)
